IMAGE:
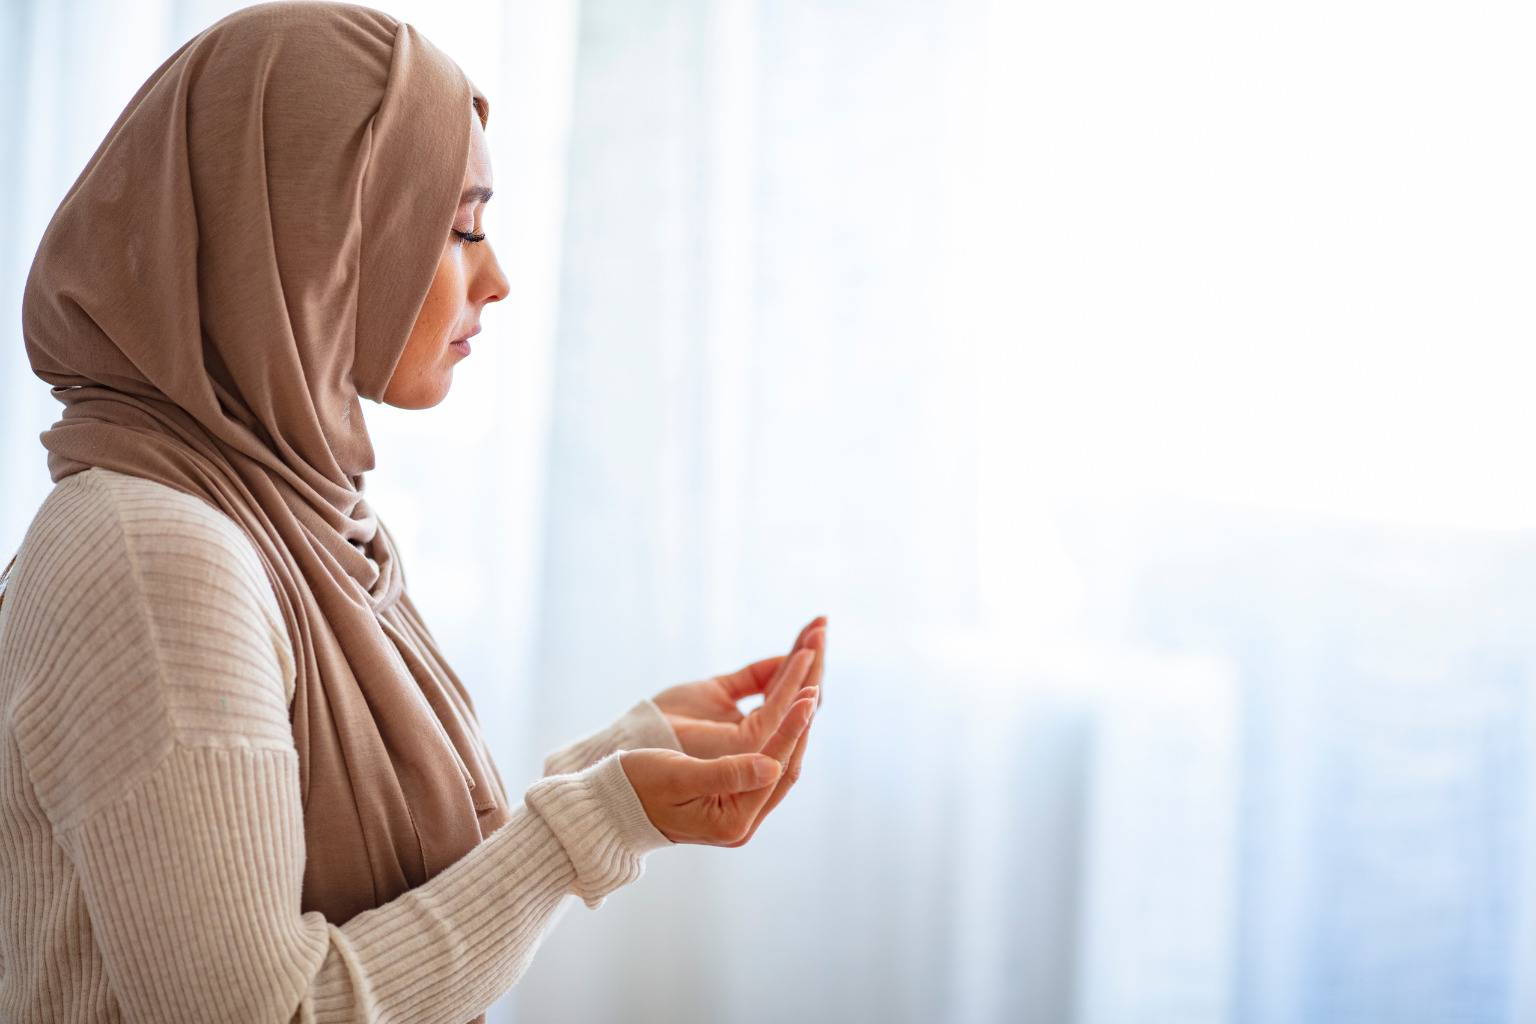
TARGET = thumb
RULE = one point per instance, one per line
(738, 773)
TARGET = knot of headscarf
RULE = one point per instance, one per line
(242, 259)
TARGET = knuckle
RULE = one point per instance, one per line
(719, 819)
(728, 829)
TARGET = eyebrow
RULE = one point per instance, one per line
(478, 194)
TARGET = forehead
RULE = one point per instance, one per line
(478, 169)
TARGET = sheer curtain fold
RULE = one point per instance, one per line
(881, 310)
(760, 413)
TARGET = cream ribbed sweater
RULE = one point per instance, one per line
(151, 830)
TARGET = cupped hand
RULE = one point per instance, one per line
(719, 801)
(719, 805)
(705, 716)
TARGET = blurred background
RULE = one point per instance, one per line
(1143, 390)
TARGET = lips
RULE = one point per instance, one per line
(461, 345)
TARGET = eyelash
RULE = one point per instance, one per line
(469, 236)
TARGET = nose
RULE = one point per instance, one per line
(493, 285)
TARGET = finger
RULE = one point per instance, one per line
(753, 679)
(817, 642)
(786, 781)
(791, 774)
(781, 745)
(785, 679)
(777, 681)
(799, 645)
(819, 622)
(720, 776)
(770, 715)
(796, 668)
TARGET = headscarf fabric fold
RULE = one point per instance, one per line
(240, 263)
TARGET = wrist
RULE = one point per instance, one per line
(600, 822)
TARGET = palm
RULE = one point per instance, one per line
(708, 699)
(705, 714)
(706, 719)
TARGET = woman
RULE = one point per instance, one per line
(238, 781)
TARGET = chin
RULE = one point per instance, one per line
(424, 396)
(437, 395)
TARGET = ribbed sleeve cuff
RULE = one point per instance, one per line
(599, 820)
(642, 726)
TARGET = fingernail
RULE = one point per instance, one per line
(765, 769)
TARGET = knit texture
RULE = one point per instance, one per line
(151, 821)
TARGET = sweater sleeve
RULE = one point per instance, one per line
(154, 726)
(194, 896)
(642, 726)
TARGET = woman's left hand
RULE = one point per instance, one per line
(705, 716)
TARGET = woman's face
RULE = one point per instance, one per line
(467, 278)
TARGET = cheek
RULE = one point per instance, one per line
(421, 377)
(440, 309)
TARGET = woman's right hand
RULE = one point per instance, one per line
(719, 801)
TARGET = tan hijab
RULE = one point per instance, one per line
(242, 259)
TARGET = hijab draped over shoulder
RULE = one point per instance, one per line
(239, 264)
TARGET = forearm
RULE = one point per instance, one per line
(192, 885)
(641, 726)
(466, 937)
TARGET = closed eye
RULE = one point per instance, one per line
(469, 236)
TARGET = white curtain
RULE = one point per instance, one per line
(1141, 389)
